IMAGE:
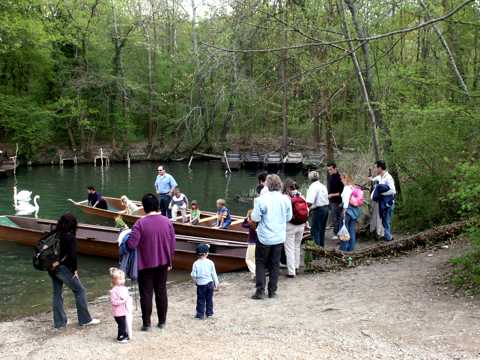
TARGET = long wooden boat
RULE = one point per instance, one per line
(253, 160)
(293, 161)
(102, 241)
(273, 160)
(204, 229)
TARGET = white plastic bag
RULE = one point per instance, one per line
(343, 234)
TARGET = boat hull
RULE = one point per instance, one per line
(235, 233)
(102, 242)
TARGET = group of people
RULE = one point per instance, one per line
(277, 221)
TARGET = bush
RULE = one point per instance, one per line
(466, 194)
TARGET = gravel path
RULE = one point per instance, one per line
(398, 309)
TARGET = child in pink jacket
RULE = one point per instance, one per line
(121, 305)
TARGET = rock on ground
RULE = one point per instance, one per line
(392, 310)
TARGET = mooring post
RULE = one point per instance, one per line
(190, 162)
(226, 162)
(101, 157)
(128, 159)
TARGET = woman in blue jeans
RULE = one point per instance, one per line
(66, 273)
(350, 214)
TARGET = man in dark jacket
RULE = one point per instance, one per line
(335, 188)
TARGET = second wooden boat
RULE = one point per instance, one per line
(204, 229)
(102, 241)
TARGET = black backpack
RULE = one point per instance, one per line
(47, 252)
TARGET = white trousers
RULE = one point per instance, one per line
(250, 258)
(176, 209)
(292, 246)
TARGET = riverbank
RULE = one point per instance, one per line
(401, 309)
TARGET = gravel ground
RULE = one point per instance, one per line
(395, 309)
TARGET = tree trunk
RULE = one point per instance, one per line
(450, 56)
(328, 124)
(283, 70)
(363, 88)
(367, 71)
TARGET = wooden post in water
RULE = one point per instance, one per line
(226, 162)
(101, 157)
(190, 162)
(128, 159)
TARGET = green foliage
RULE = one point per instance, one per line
(466, 268)
(428, 144)
(466, 189)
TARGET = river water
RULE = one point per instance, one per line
(26, 291)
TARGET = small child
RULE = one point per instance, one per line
(121, 305)
(194, 213)
(205, 277)
(179, 203)
(249, 224)
(224, 218)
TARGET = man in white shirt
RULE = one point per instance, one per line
(384, 178)
(317, 200)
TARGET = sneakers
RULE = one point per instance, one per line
(290, 276)
(92, 322)
(272, 295)
(258, 296)
(123, 339)
(146, 328)
(161, 326)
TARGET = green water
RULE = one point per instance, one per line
(27, 291)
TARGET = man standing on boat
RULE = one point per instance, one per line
(164, 185)
(272, 211)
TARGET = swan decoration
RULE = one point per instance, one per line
(22, 203)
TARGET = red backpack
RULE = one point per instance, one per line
(300, 210)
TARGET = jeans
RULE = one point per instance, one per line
(204, 300)
(149, 281)
(292, 246)
(318, 223)
(387, 223)
(267, 257)
(336, 214)
(63, 275)
(164, 200)
(351, 227)
(122, 327)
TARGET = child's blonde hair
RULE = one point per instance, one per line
(221, 202)
(116, 273)
(249, 213)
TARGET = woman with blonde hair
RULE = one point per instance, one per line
(129, 207)
(350, 213)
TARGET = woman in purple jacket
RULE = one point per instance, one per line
(154, 238)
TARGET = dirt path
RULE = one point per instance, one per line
(394, 310)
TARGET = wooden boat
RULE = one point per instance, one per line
(273, 160)
(253, 160)
(102, 241)
(234, 161)
(234, 233)
(313, 161)
(7, 167)
(293, 161)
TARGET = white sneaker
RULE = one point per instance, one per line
(92, 322)
(335, 237)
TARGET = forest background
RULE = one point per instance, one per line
(394, 79)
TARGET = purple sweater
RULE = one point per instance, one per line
(154, 238)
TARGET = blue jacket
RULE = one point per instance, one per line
(128, 258)
(384, 202)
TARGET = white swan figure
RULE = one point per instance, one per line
(25, 208)
(22, 196)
